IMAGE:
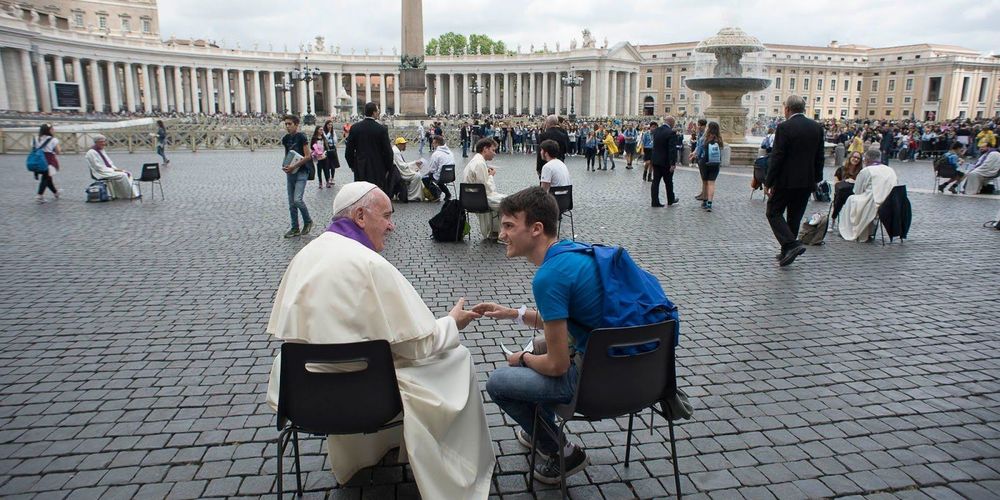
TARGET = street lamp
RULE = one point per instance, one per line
(284, 87)
(306, 75)
(572, 80)
(477, 89)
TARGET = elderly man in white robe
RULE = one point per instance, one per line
(871, 188)
(987, 167)
(408, 171)
(478, 172)
(338, 289)
(119, 181)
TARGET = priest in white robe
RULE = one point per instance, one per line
(119, 181)
(338, 289)
(871, 188)
(478, 172)
(408, 171)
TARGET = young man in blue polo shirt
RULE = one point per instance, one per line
(568, 292)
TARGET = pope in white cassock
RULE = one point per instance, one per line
(408, 171)
(101, 167)
(338, 289)
(872, 187)
(478, 172)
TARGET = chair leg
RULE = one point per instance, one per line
(533, 453)
(628, 439)
(673, 454)
(561, 443)
(282, 441)
(572, 226)
(298, 467)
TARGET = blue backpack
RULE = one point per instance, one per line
(714, 153)
(36, 158)
(632, 296)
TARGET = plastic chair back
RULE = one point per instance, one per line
(612, 383)
(150, 172)
(473, 198)
(447, 174)
(358, 393)
(564, 197)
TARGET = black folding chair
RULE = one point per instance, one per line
(564, 198)
(447, 175)
(473, 199)
(897, 207)
(316, 379)
(151, 174)
(606, 387)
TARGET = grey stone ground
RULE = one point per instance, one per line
(134, 359)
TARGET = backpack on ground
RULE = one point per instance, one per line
(822, 192)
(36, 161)
(632, 296)
(714, 153)
(814, 230)
(97, 191)
(449, 223)
(941, 163)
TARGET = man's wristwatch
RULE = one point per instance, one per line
(520, 360)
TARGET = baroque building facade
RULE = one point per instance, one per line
(115, 52)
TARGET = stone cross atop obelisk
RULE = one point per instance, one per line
(412, 85)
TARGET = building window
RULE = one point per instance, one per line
(874, 85)
(147, 26)
(907, 100)
(965, 89)
(102, 22)
(934, 89)
(669, 82)
(819, 84)
(892, 85)
(871, 112)
(777, 98)
(831, 100)
(888, 113)
(126, 24)
(847, 85)
(649, 82)
(791, 83)
(888, 100)
(843, 99)
(805, 84)
(666, 109)
(683, 79)
(859, 86)
(833, 85)
(872, 100)
(982, 90)
(906, 112)
(668, 97)
(909, 85)
(684, 97)
(777, 83)
(78, 19)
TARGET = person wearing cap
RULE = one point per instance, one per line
(410, 188)
(119, 181)
(339, 289)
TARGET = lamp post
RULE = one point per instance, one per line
(306, 75)
(572, 81)
(476, 89)
(285, 87)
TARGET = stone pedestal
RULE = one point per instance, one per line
(412, 93)
(727, 109)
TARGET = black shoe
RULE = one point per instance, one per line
(525, 440)
(548, 472)
(941, 187)
(306, 228)
(293, 232)
(658, 205)
(789, 256)
(673, 201)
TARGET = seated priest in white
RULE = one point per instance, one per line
(408, 171)
(119, 181)
(338, 289)
(871, 188)
(478, 172)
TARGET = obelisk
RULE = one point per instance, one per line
(412, 85)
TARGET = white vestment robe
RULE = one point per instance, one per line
(337, 290)
(119, 183)
(871, 188)
(988, 168)
(409, 171)
(477, 172)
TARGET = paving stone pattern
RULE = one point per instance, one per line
(134, 358)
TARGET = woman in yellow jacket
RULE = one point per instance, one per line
(610, 150)
(857, 144)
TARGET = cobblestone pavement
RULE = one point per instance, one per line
(134, 359)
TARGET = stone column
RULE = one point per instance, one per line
(531, 93)
(114, 92)
(467, 93)
(268, 92)
(352, 89)
(147, 92)
(77, 77)
(255, 91)
(545, 93)
(227, 101)
(241, 91)
(96, 89)
(210, 91)
(592, 94)
(286, 95)
(628, 93)
(301, 94)
(368, 88)
(161, 83)
(559, 93)
(129, 88)
(195, 87)
(494, 89)
(396, 96)
(4, 99)
(452, 107)
(519, 93)
(382, 97)
(178, 90)
(505, 82)
(30, 90)
(43, 83)
(60, 68)
(439, 93)
(328, 99)
(612, 93)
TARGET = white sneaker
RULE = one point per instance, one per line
(40, 199)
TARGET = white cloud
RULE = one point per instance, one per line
(375, 24)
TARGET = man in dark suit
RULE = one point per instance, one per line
(794, 169)
(664, 160)
(369, 153)
(556, 133)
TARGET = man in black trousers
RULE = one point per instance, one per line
(369, 153)
(664, 160)
(796, 165)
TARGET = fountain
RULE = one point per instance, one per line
(727, 86)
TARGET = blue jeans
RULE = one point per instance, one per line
(296, 184)
(516, 390)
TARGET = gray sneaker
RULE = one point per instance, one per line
(525, 440)
(293, 232)
(306, 228)
(548, 472)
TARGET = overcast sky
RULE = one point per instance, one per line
(376, 23)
